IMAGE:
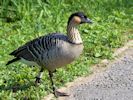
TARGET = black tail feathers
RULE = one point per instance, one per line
(13, 60)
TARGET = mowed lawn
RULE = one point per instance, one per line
(24, 20)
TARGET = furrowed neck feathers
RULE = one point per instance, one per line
(73, 33)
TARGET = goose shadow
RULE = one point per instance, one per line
(14, 87)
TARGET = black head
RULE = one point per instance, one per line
(79, 18)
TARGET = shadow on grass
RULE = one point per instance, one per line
(16, 86)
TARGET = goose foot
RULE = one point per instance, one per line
(57, 94)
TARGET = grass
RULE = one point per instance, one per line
(24, 20)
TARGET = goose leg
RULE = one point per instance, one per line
(39, 76)
(51, 80)
(56, 93)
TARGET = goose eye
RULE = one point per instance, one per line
(85, 16)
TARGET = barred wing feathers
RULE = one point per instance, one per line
(35, 48)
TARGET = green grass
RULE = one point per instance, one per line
(24, 20)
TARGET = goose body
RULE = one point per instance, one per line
(54, 50)
(58, 51)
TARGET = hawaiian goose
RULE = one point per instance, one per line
(54, 50)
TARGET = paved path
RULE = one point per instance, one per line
(115, 83)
